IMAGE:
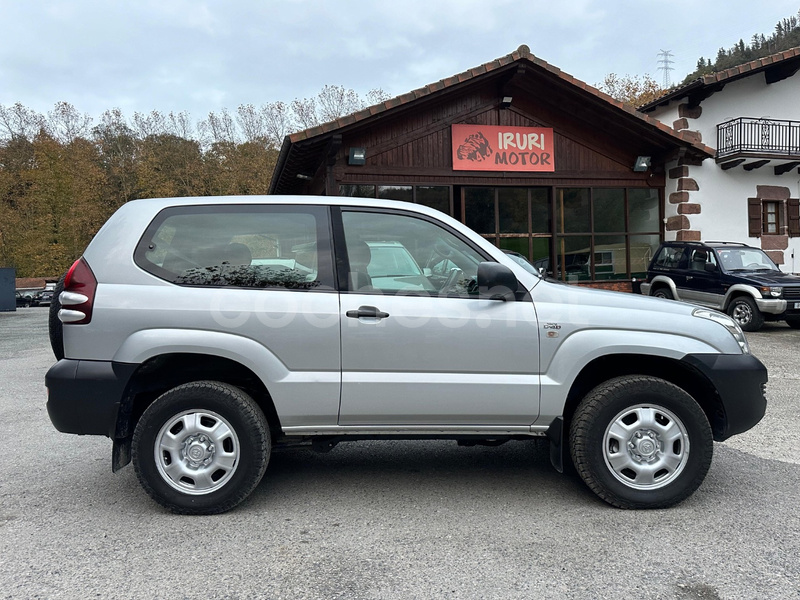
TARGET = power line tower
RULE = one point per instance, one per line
(665, 61)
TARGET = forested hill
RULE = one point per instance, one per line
(785, 36)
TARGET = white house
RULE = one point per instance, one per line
(751, 115)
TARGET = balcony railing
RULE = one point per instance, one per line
(771, 138)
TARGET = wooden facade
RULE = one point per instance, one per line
(408, 143)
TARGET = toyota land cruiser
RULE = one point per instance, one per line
(200, 333)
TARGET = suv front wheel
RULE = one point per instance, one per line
(641, 442)
(201, 448)
(744, 311)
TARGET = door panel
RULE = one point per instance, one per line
(433, 353)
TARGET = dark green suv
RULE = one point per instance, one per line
(728, 276)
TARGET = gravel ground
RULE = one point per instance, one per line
(391, 519)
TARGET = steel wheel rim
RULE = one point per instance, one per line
(646, 447)
(197, 452)
(742, 313)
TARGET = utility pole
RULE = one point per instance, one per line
(664, 61)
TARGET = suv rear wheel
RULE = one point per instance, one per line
(641, 442)
(201, 447)
(744, 311)
(663, 292)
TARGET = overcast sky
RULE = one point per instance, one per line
(201, 55)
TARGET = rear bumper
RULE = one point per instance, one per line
(83, 396)
(740, 381)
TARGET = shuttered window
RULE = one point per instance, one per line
(754, 216)
(793, 216)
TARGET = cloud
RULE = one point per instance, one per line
(201, 56)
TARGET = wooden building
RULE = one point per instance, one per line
(523, 153)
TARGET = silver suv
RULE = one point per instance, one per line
(200, 333)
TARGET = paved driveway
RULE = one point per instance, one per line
(391, 519)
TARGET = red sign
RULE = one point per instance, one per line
(497, 148)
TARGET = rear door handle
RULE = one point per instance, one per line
(367, 311)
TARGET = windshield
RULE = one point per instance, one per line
(745, 259)
(523, 262)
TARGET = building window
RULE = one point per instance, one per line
(605, 233)
(771, 219)
(512, 218)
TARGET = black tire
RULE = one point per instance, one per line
(663, 292)
(220, 448)
(619, 431)
(55, 326)
(744, 311)
(793, 322)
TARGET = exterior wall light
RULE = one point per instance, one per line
(357, 156)
(642, 164)
(506, 102)
(304, 177)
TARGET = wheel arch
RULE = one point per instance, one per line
(735, 291)
(675, 371)
(166, 371)
(661, 281)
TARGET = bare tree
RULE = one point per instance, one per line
(278, 122)
(65, 124)
(146, 125)
(18, 121)
(376, 96)
(222, 127)
(335, 101)
(180, 125)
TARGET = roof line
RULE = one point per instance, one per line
(738, 72)
(521, 53)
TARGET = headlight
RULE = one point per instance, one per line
(771, 292)
(729, 324)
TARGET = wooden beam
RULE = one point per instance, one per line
(781, 71)
(755, 165)
(732, 163)
(333, 147)
(781, 169)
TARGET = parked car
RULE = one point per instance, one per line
(42, 298)
(199, 333)
(23, 301)
(727, 276)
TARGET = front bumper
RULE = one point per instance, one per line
(740, 381)
(772, 306)
(83, 396)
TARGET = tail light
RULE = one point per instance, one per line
(78, 295)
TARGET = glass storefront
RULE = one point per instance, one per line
(575, 234)
(593, 232)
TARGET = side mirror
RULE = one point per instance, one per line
(710, 267)
(496, 281)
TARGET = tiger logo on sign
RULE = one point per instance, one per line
(476, 148)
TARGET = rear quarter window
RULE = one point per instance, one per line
(669, 258)
(242, 246)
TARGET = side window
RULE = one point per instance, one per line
(392, 253)
(700, 258)
(669, 258)
(244, 246)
